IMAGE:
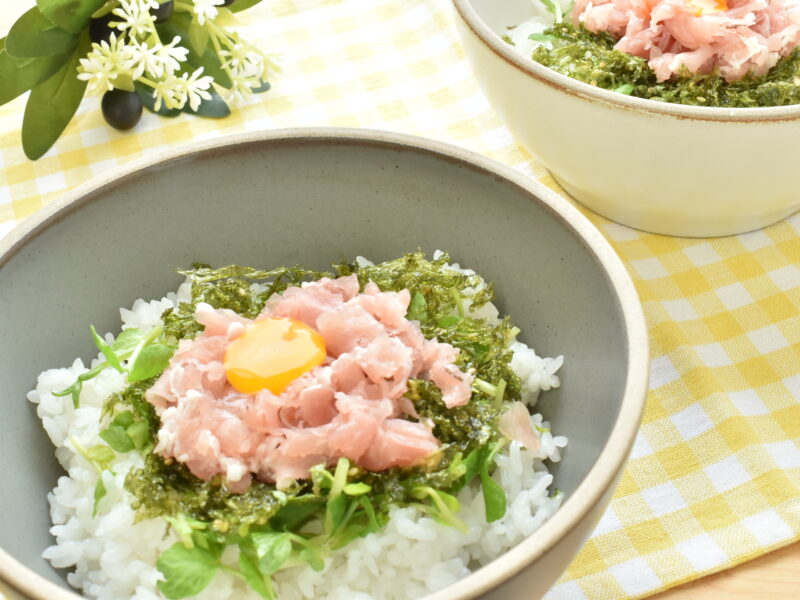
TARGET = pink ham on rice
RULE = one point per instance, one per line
(351, 406)
(736, 37)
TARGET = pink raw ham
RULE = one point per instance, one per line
(737, 37)
(350, 406)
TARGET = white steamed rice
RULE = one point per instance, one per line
(113, 558)
(540, 20)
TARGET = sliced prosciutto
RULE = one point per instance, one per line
(351, 406)
(735, 37)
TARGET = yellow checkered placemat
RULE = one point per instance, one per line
(714, 478)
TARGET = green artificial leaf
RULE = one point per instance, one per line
(115, 436)
(240, 5)
(264, 87)
(33, 35)
(187, 571)
(216, 108)
(418, 308)
(272, 549)
(139, 434)
(198, 37)
(52, 104)
(106, 350)
(127, 341)
(71, 15)
(146, 95)
(152, 360)
(179, 25)
(248, 568)
(494, 498)
(99, 493)
(18, 75)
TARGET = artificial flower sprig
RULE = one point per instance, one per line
(167, 55)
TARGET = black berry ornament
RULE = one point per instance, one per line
(122, 109)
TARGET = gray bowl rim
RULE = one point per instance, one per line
(603, 473)
(467, 13)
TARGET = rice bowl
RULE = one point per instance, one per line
(665, 168)
(362, 177)
(114, 552)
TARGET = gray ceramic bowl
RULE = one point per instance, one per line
(314, 197)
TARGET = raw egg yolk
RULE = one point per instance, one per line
(272, 353)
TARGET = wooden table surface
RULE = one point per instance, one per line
(775, 576)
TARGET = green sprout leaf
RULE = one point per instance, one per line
(127, 341)
(544, 37)
(52, 104)
(152, 360)
(625, 88)
(494, 498)
(418, 308)
(33, 35)
(102, 455)
(18, 75)
(139, 434)
(356, 489)
(116, 437)
(264, 87)
(187, 571)
(272, 549)
(248, 569)
(313, 558)
(106, 350)
(71, 15)
(99, 493)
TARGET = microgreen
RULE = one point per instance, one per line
(145, 356)
(303, 524)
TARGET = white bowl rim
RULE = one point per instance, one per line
(591, 93)
(609, 463)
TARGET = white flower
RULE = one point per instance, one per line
(136, 17)
(243, 61)
(105, 63)
(196, 87)
(170, 92)
(206, 9)
(145, 60)
(172, 55)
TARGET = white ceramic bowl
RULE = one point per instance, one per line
(666, 168)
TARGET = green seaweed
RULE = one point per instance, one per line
(591, 58)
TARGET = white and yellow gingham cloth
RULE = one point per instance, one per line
(714, 478)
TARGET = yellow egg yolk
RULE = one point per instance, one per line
(272, 353)
(708, 6)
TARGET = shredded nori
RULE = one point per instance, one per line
(166, 488)
(591, 58)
